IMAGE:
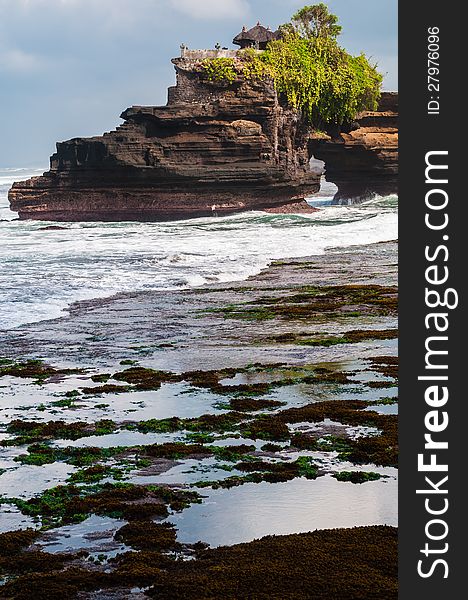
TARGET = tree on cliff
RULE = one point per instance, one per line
(311, 72)
(315, 74)
(316, 21)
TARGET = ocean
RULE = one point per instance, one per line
(44, 271)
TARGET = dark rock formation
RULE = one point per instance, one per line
(362, 160)
(211, 149)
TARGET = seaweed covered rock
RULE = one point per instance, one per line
(342, 563)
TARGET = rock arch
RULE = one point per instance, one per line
(362, 160)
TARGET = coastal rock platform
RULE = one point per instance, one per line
(156, 423)
(162, 326)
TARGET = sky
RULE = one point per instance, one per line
(68, 68)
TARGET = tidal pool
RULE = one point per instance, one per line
(188, 471)
(122, 438)
(95, 535)
(22, 399)
(384, 409)
(306, 393)
(255, 510)
(12, 519)
(25, 481)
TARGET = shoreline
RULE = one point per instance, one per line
(148, 402)
(129, 272)
(81, 307)
(78, 307)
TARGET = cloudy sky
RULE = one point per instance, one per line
(69, 67)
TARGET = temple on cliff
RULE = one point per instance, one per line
(257, 37)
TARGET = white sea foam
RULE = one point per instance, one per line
(8, 176)
(42, 272)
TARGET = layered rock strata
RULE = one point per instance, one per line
(362, 160)
(212, 149)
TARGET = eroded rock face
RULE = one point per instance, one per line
(212, 149)
(362, 160)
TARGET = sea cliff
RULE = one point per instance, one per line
(215, 148)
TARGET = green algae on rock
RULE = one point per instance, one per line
(357, 476)
(35, 431)
(33, 369)
(271, 472)
(95, 474)
(72, 504)
(348, 337)
(311, 301)
(43, 454)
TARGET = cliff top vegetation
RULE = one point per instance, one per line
(310, 70)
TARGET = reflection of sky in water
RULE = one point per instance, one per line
(20, 399)
(176, 399)
(8, 454)
(303, 393)
(226, 516)
(120, 438)
(254, 510)
(232, 441)
(95, 533)
(384, 409)
(26, 480)
(11, 519)
(190, 471)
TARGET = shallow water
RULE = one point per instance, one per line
(119, 438)
(22, 399)
(252, 511)
(11, 519)
(352, 432)
(186, 472)
(24, 481)
(95, 535)
(384, 409)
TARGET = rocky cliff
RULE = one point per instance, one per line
(214, 148)
(362, 159)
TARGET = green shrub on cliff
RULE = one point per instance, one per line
(309, 69)
(319, 78)
(220, 70)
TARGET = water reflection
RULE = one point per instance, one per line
(252, 511)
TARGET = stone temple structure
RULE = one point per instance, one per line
(257, 37)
